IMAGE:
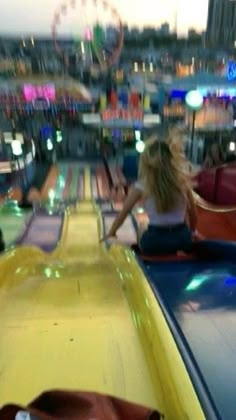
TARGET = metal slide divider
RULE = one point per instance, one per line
(74, 184)
(80, 185)
(71, 197)
(44, 231)
(66, 191)
(105, 205)
(63, 170)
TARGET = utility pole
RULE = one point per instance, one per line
(176, 17)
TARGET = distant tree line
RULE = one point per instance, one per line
(163, 41)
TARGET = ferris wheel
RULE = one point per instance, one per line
(93, 26)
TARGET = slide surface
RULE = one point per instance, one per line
(58, 314)
(86, 319)
(13, 221)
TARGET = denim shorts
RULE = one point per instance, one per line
(166, 239)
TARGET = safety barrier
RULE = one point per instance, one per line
(217, 185)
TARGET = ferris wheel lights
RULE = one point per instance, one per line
(94, 35)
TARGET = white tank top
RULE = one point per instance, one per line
(174, 217)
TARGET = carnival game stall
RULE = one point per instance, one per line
(42, 93)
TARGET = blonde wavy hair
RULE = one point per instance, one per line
(162, 173)
(175, 140)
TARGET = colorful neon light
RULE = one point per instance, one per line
(231, 70)
(43, 91)
(122, 114)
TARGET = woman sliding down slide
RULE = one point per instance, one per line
(164, 187)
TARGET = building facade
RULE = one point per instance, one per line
(221, 23)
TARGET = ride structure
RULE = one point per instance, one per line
(91, 38)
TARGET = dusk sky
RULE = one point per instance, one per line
(35, 17)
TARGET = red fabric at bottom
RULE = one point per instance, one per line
(60, 405)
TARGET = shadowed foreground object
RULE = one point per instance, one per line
(80, 406)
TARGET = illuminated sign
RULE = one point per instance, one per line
(32, 93)
(8, 137)
(122, 114)
(151, 119)
(231, 70)
(91, 118)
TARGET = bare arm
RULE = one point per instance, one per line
(133, 197)
(191, 211)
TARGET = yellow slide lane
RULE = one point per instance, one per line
(81, 319)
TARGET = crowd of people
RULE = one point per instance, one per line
(216, 156)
